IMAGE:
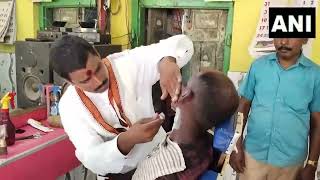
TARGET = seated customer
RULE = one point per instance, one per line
(209, 98)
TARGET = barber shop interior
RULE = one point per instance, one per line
(159, 89)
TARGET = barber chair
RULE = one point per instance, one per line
(225, 136)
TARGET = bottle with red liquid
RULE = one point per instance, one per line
(5, 117)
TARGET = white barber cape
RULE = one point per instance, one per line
(136, 71)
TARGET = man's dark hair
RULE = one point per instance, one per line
(217, 97)
(68, 54)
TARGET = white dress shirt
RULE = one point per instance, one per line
(136, 71)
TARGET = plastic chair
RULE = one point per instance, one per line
(225, 137)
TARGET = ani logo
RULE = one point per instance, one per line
(292, 22)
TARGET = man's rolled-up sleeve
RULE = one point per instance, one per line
(146, 58)
(315, 103)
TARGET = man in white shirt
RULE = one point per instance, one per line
(107, 111)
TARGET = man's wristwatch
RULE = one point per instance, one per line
(313, 163)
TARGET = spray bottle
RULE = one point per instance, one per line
(10, 130)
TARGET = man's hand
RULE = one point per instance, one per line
(307, 173)
(237, 160)
(140, 132)
(170, 78)
(144, 130)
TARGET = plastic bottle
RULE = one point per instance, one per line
(54, 116)
(55, 96)
(5, 117)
